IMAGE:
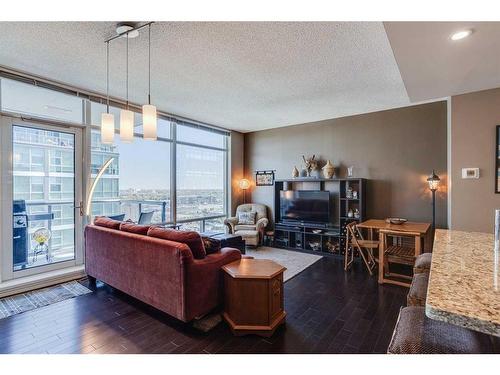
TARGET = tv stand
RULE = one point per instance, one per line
(320, 238)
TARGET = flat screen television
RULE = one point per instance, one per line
(308, 206)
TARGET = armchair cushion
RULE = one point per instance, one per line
(190, 238)
(245, 227)
(247, 218)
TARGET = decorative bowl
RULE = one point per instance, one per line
(317, 231)
(395, 220)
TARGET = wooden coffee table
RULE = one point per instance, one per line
(254, 301)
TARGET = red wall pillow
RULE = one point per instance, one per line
(192, 239)
(134, 228)
(103, 221)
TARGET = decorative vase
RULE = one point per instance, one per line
(295, 172)
(316, 173)
(328, 170)
(304, 172)
(350, 171)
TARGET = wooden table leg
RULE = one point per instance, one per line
(418, 246)
(381, 250)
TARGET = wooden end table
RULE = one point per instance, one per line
(254, 302)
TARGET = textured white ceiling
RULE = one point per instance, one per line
(433, 66)
(244, 76)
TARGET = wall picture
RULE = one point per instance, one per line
(264, 178)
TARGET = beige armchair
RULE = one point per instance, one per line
(251, 233)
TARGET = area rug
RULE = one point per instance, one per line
(294, 261)
(42, 297)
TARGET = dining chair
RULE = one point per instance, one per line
(145, 217)
(397, 247)
(355, 241)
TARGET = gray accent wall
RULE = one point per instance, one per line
(474, 118)
(395, 150)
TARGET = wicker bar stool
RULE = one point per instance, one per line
(416, 334)
(418, 290)
(423, 263)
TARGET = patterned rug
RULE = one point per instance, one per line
(294, 261)
(20, 303)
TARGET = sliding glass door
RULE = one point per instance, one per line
(43, 216)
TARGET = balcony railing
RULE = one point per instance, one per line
(132, 208)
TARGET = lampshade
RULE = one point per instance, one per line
(107, 128)
(126, 125)
(433, 181)
(149, 122)
(244, 184)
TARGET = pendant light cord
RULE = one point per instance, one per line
(127, 70)
(107, 77)
(149, 69)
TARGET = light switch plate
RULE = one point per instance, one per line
(470, 173)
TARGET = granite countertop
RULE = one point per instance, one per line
(464, 284)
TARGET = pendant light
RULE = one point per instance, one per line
(149, 118)
(127, 116)
(107, 119)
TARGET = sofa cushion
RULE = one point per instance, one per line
(190, 238)
(212, 245)
(103, 221)
(135, 228)
(247, 218)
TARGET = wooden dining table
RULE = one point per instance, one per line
(423, 241)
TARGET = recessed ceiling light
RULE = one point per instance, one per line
(460, 34)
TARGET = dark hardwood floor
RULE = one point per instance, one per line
(329, 311)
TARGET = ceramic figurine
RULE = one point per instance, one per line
(328, 170)
(295, 172)
(356, 213)
(350, 213)
(354, 194)
(348, 193)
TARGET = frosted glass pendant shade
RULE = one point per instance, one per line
(149, 121)
(126, 126)
(107, 128)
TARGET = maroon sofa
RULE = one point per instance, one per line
(157, 271)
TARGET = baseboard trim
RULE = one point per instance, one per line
(25, 284)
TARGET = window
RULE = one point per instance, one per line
(200, 182)
(138, 180)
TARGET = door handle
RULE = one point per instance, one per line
(80, 207)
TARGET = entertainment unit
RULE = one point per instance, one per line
(332, 204)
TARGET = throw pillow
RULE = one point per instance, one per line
(247, 218)
(190, 238)
(134, 228)
(212, 245)
(103, 221)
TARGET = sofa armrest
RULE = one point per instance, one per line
(231, 222)
(261, 224)
(204, 286)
